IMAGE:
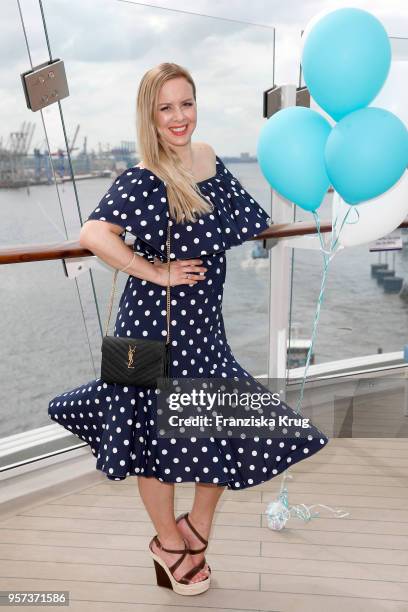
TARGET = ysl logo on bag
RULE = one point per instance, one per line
(131, 352)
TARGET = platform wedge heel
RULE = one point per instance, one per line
(165, 575)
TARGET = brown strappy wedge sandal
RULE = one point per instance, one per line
(165, 575)
(198, 535)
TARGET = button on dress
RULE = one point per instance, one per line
(119, 422)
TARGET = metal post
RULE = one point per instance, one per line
(279, 298)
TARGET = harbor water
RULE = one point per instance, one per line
(49, 326)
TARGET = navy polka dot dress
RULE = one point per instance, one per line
(119, 422)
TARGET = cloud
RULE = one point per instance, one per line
(108, 45)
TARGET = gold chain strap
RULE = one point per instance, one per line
(167, 290)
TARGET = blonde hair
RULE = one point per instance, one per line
(183, 195)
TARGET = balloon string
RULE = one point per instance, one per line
(327, 257)
(279, 511)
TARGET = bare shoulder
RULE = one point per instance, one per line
(205, 149)
(206, 162)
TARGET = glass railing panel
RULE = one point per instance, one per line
(38, 205)
(230, 106)
(247, 284)
(352, 406)
(45, 342)
(92, 133)
(50, 331)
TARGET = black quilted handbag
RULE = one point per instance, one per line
(137, 361)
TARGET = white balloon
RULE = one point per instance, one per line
(376, 217)
(394, 93)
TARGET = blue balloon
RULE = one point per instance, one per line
(290, 153)
(346, 59)
(366, 154)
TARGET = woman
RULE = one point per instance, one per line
(210, 212)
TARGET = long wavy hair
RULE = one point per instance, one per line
(183, 195)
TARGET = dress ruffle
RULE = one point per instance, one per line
(137, 202)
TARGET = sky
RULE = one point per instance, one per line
(107, 46)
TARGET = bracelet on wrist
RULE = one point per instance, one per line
(130, 262)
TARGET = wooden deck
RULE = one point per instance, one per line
(93, 542)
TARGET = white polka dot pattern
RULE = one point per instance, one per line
(137, 202)
(119, 422)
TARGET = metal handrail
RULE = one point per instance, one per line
(72, 248)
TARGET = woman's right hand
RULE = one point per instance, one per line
(182, 272)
